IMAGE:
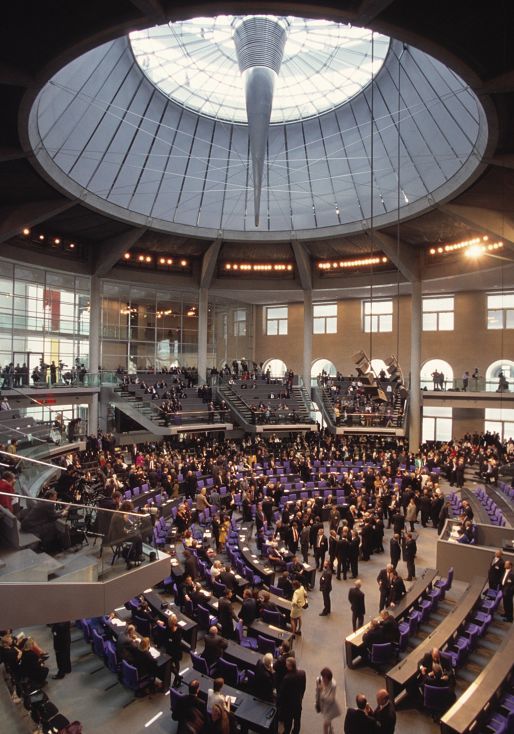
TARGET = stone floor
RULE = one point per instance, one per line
(82, 694)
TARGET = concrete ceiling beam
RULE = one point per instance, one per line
(490, 222)
(403, 256)
(303, 265)
(14, 219)
(107, 253)
(209, 263)
(368, 10)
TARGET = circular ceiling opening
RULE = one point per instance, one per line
(365, 130)
(194, 63)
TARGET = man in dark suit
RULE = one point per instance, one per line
(62, 645)
(248, 612)
(496, 570)
(343, 555)
(355, 544)
(395, 550)
(226, 615)
(357, 604)
(398, 522)
(290, 697)
(385, 714)
(398, 589)
(293, 538)
(507, 587)
(374, 635)
(304, 542)
(228, 578)
(215, 645)
(384, 581)
(325, 586)
(320, 548)
(409, 555)
(190, 710)
(284, 583)
(361, 719)
(190, 565)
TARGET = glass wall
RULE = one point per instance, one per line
(44, 315)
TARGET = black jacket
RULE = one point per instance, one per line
(356, 599)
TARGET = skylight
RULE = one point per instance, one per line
(194, 63)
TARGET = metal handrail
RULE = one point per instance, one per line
(24, 497)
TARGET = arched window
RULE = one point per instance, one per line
(431, 375)
(275, 366)
(492, 375)
(323, 365)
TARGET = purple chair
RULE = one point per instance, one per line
(436, 699)
(111, 658)
(264, 645)
(205, 619)
(230, 673)
(175, 699)
(274, 618)
(130, 677)
(445, 584)
(200, 664)
(248, 642)
(384, 654)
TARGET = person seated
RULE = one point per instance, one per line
(374, 635)
(274, 556)
(266, 604)
(143, 659)
(431, 659)
(216, 697)
(389, 627)
(398, 589)
(222, 721)
(284, 583)
(124, 530)
(126, 644)
(31, 664)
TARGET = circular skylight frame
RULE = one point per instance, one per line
(194, 64)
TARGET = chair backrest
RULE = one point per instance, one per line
(110, 656)
(175, 699)
(449, 579)
(199, 664)
(86, 630)
(97, 643)
(129, 675)
(276, 590)
(381, 653)
(239, 631)
(218, 589)
(435, 698)
(271, 617)
(264, 645)
(228, 671)
(203, 616)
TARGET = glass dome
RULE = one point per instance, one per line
(194, 63)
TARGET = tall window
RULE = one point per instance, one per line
(240, 322)
(500, 420)
(325, 318)
(437, 424)
(378, 316)
(500, 311)
(438, 313)
(276, 320)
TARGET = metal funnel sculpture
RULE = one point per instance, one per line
(260, 43)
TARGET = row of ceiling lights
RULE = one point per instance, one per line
(42, 238)
(258, 267)
(356, 263)
(472, 247)
(142, 258)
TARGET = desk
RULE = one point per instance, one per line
(261, 567)
(251, 712)
(188, 627)
(269, 630)
(461, 717)
(402, 674)
(162, 660)
(354, 644)
(244, 657)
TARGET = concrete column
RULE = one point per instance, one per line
(415, 367)
(307, 338)
(95, 315)
(203, 307)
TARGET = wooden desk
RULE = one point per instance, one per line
(402, 674)
(244, 657)
(462, 716)
(188, 627)
(251, 712)
(354, 645)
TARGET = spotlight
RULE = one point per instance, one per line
(141, 258)
(169, 261)
(127, 256)
(41, 236)
(57, 241)
(26, 231)
(71, 246)
(475, 251)
(183, 263)
(148, 259)
(162, 261)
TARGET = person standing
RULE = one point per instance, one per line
(305, 542)
(357, 605)
(298, 602)
(409, 555)
(61, 633)
(325, 586)
(496, 570)
(395, 550)
(385, 714)
(320, 548)
(343, 555)
(361, 719)
(507, 586)
(326, 703)
(354, 554)
(227, 615)
(384, 581)
(290, 697)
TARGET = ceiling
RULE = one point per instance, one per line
(473, 39)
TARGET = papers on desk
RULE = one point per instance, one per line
(181, 623)
(306, 566)
(253, 555)
(154, 653)
(237, 576)
(118, 622)
(147, 591)
(245, 549)
(267, 569)
(232, 699)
